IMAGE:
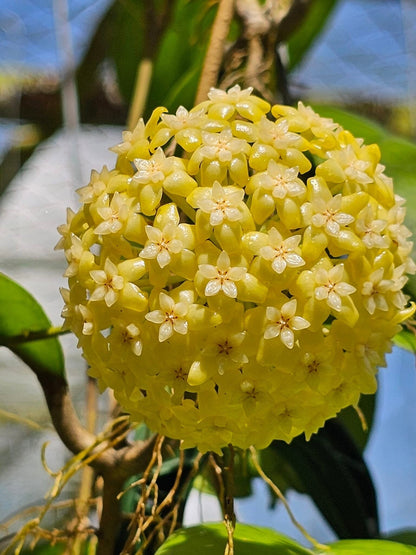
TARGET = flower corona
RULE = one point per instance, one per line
(237, 277)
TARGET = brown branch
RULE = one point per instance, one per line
(124, 462)
(215, 52)
(64, 418)
(110, 521)
(115, 465)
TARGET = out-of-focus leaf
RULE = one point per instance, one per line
(330, 469)
(404, 536)
(43, 549)
(406, 339)
(397, 154)
(172, 33)
(360, 126)
(301, 40)
(210, 539)
(21, 314)
(127, 36)
(179, 60)
(57, 549)
(142, 432)
(351, 421)
(280, 470)
(368, 547)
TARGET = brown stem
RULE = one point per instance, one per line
(215, 52)
(229, 514)
(115, 465)
(64, 418)
(223, 474)
(110, 521)
(124, 462)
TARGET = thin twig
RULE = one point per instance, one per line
(22, 420)
(172, 514)
(283, 499)
(141, 90)
(137, 522)
(215, 52)
(87, 477)
(219, 481)
(361, 416)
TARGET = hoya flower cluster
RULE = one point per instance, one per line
(238, 276)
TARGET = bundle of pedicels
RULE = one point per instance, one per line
(237, 278)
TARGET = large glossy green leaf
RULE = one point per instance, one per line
(330, 468)
(302, 39)
(20, 315)
(397, 154)
(210, 539)
(369, 547)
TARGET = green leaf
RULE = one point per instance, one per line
(397, 154)
(180, 56)
(45, 549)
(310, 28)
(351, 421)
(172, 33)
(210, 539)
(330, 468)
(406, 339)
(404, 536)
(369, 547)
(126, 34)
(20, 315)
(57, 549)
(360, 126)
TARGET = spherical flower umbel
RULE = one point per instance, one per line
(237, 277)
